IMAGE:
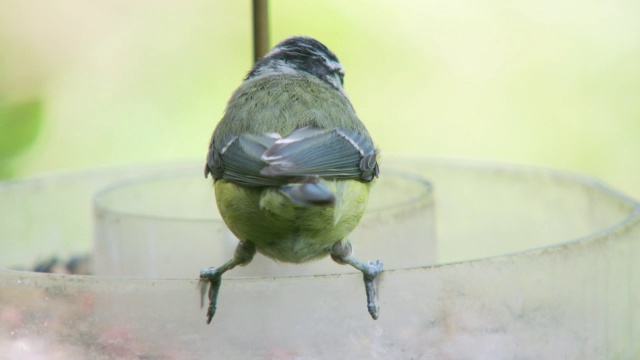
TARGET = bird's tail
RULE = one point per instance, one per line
(309, 194)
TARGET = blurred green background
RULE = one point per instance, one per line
(550, 83)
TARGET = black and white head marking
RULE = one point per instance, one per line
(301, 54)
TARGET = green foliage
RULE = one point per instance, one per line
(20, 124)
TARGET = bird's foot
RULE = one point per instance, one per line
(370, 272)
(210, 278)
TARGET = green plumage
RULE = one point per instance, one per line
(283, 103)
(289, 233)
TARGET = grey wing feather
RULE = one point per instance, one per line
(238, 159)
(328, 153)
(307, 153)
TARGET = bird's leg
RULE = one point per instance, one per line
(341, 253)
(213, 276)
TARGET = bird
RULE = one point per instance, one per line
(292, 165)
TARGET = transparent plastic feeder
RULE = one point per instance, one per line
(482, 261)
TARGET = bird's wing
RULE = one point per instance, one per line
(327, 153)
(238, 159)
(305, 154)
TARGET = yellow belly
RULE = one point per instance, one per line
(287, 232)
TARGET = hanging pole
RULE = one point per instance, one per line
(260, 28)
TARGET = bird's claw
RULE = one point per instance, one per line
(210, 278)
(370, 272)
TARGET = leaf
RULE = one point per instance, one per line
(20, 124)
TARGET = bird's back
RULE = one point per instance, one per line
(294, 100)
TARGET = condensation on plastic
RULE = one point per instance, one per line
(530, 264)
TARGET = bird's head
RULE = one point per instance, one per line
(301, 54)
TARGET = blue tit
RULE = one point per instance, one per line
(292, 165)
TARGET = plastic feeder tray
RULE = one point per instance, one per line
(482, 261)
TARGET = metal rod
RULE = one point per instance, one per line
(260, 28)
